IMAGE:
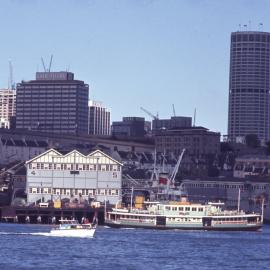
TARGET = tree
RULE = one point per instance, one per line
(252, 140)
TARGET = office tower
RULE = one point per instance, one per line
(7, 107)
(249, 85)
(99, 119)
(129, 127)
(54, 102)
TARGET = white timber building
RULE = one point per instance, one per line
(52, 176)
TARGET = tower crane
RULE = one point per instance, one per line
(155, 117)
(173, 110)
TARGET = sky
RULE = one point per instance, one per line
(133, 53)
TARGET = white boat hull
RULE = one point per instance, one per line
(73, 232)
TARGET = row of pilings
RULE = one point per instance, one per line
(49, 215)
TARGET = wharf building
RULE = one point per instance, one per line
(198, 141)
(249, 85)
(129, 127)
(54, 103)
(99, 119)
(7, 107)
(53, 176)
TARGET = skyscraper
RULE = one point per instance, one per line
(249, 87)
(99, 119)
(54, 102)
(7, 107)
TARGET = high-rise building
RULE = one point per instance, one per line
(174, 122)
(129, 127)
(249, 87)
(99, 119)
(54, 102)
(7, 107)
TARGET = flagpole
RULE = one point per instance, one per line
(262, 209)
(238, 204)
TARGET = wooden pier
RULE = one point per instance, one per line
(48, 215)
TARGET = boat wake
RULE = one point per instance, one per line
(48, 234)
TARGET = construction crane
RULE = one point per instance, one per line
(11, 84)
(50, 65)
(173, 110)
(175, 170)
(155, 117)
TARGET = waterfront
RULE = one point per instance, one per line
(30, 247)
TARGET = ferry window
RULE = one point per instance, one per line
(174, 208)
(116, 192)
(30, 190)
(87, 167)
(168, 208)
(30, 166)
(181, 208)
(38, 165)
(200, 209)
(194, 209)
(102, 191)
(49, 190)
(34, 190)
(50, 166)
(187, 209)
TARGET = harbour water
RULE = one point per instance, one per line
(31, 247)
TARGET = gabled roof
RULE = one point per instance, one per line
(56, 153)
(98, 153)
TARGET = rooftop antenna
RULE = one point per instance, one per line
(245, 27)
(261, 26)
(249, 25)
(194, 118)
(239, 27)
(173, 110)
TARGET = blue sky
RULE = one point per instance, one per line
(133, 53)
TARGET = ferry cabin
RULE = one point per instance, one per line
(187, 216)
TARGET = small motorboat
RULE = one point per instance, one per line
(72, 228)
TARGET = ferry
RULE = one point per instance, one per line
(72, 228)
(184, 215)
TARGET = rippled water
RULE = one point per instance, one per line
(31, 247)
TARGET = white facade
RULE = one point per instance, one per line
(53, 176)
(99, 119)
(7, 106)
